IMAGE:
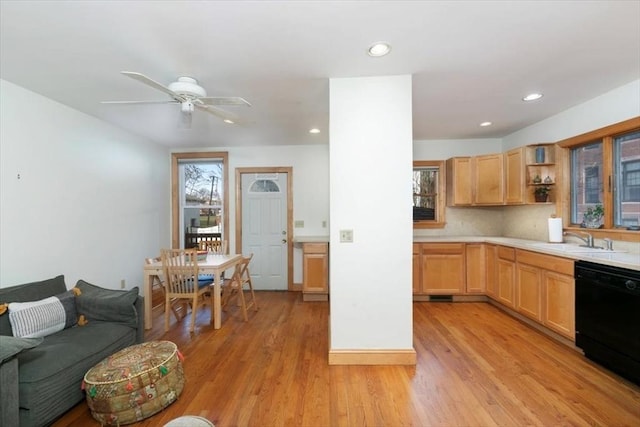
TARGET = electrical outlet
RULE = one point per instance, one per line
(122, 284)
(346, 236)
(324, 224)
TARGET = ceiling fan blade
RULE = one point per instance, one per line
(225, 100)
(154, 84)
(222, 114)
(139, 102)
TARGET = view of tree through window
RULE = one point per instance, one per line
(202, 193)
(425, 192)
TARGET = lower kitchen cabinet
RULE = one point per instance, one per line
(559, 303)
(442, 268)
(476, 268)
(506, 276)
(491, 280)
(417, 276)
(315, 271)
(529, 291)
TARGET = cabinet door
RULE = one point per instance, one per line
(514, 177)
(489, 179)
(559, 310)
(476, 268)
(529, 291)
(491, 277)
(315, 268)
(506, 282)
(443, 268)
(417, 270)
(459, 187)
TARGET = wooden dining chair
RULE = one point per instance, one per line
(180, 268)
(157, 282)
(236, 286)
(215, 246)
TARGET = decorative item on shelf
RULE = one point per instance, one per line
(548, 180)
(541, 193)
(592, 217)
(540, 155)
(537, 179)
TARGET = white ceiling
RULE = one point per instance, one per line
(471, 61)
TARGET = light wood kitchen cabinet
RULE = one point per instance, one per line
(557, 289)
(315, 271)
(514, 177)
(488, 179)
(490, 273)
(529, 291)
(459, 185)
(506, 275)
(559, 303)
(443, 268)
(417, 276)
(476, 268)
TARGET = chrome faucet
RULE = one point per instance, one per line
(585, 237)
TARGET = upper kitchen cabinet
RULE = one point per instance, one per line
(459, 188)
(488, 173)
(514, 176)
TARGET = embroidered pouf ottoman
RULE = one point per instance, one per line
(134, 383)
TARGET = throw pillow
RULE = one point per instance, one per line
(44, 317)
(10, 346)
(108, 305)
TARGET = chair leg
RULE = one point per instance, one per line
(243, 303)
(167, 307)
(194, 312)
(253, 296)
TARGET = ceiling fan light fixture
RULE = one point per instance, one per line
(532, 97)
(187, 107)
(187, 86)
(379, 49)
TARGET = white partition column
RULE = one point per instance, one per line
(371, 234)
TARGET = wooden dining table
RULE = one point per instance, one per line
(212, 264)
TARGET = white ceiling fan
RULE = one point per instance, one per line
(190, 95)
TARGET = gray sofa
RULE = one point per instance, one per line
(41, 378)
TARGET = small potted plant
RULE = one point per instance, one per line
(541, 193)
(592, 217)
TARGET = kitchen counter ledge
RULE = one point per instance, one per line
(617, 259)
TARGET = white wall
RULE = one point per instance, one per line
(78, 197)
(371, 161)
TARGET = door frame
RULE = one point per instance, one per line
(278, 169)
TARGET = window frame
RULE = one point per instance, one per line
(439, 222)
(606, 136)
(176, 158)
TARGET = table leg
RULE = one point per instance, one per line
(148, 306)
(216, 308)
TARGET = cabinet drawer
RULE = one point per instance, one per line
(442, 248)
(314, 248)
(546, 262)
(506, 253)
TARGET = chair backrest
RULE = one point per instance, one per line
(180, 268)
(215, 246)
(244, 275)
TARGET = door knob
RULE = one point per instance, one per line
(284, 240)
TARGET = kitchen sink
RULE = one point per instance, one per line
(573, 248)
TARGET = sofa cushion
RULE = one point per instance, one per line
(50, 375)
(29, 292)
(10, 346)
(43, 317)
(107, 305)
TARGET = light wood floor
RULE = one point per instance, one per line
(476, 367)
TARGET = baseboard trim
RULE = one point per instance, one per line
(372, 357)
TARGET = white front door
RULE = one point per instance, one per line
(264, 228)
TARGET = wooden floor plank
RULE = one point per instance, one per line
(476, 366)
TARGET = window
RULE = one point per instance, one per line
(199, 197)
(428, 194)
(604, 171)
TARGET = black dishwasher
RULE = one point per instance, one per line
(608, 316)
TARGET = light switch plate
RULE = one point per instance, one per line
(346, 236)
(298, 223)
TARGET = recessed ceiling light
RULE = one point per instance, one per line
(229, 121)
(532, 97)
(314, 130)
(483, 124)
(379, 49)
